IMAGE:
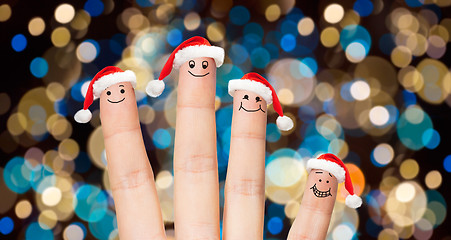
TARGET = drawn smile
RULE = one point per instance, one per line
(117, 101)
(194, 75)
(259, 109)
(320, 194)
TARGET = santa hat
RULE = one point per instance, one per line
(255, 83)
(331, 163)
(101, 81)
(192, 48)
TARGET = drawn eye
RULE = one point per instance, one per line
(327, 181)
(204, 64)
(257, 99)
(122, 91)
(246, 97)
(320, 180)
(108, 93)
(192, 64)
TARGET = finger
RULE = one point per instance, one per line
(196, 188)
(316, 207)
(131, 177)
(244, 189)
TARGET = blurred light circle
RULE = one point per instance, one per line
(260, 57)
(272, 12)
(94, 7)
(355, 52)
(275, 225)
(447, 163)
(379, 115)
(308, 67)
(36, 26)
(411, 79)
(334, 13)
(401, 56)
(6, 225)
(383, 154)
(342, 232)
(324, 91)
(387, 234)
(306, 26)
(90, 203)
(431, 138)
(174, 37)
(5, 12)
(47, 219)
(433, 179)
(64, 13)
(284, 171)
(103, 228)
(35, 232)
(164, 179)
(73, 232)
(192, 21)
(360, 90)
(288, 42)
(436, 47)
(81, 20)
(16, 175)
(355, 34)
(87, 51)
(291, 209)
(330, 37)
(272, 133)
(239, 15)
(23, 209)
(60, 36)
(409, 169)
(161, 138)
(238, 54)
(405, 192)
(19, 42)
(216, 31)
(411, 126)
(51, 196)
(363, 7)
(55, 91)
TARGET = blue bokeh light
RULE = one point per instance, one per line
(308, 67)
(288, 42)
(275, 225)
(161, 138)
(352, 33)
(430, 138)
(272, 133)
(387, 43)
(238, 54)
(35, 232)
(447, 163)
(363, 7)
(144, 3)
(39, 67)
(16, 175)
(414, 3)
(94, 7)
(19, 42)
(90, 203)
(239, 15)
(260, 57)
(174, 37)
(6, 225)
(102, 229)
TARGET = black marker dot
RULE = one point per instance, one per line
(320, 180)
(257, 99)
(327, 181)
(108, 93)
(246, 97)
(192, 64)
(122, 91)
(204, 64)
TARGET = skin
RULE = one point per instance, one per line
(245, 182)
(196, 187)
(312, 221)
(130, 173)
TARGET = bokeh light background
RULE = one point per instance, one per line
(368, 80)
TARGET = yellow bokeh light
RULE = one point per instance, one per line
(306, 26)
(51, 196)
(401, 56)
(47, 219)
(379, 115)
(388, 234)
(36, 26)
(81, 20)
(291, 209)
(360, 90)
(55, 91)
(405, 192)
(410, 78)
(358, 182)
(409, 169)
(433, 179)
(23, 209)
(5, 12)
(286, 96)
(216, 31)
(64, 13)
(334, 13)
(324, 91)
(68, 149)
(16, 124)
(330, 37)
(164, 179)
(272, 12)
(60, 37)
(191, 21)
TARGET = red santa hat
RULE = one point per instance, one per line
(254, 82)
(102, 80)
(192, 48)
(331, 163)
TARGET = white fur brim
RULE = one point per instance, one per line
(155, 88)
(111, 79)
(284, 123)
(83, 116)
(253, 86)
(329, 166)
(197, 51)
(353, 201)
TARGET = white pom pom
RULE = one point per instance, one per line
(83, 116)
(353, 201)
(284, 123)
(155, 88)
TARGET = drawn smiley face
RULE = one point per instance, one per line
(200, 67)
(117, 93)
(323, 180)
(250, 102)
